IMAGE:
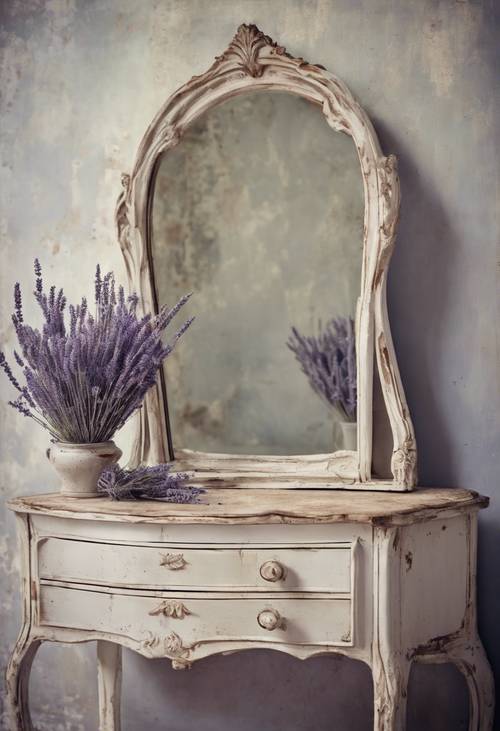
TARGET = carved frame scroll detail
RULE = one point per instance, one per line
(254, 62)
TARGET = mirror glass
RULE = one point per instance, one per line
(259, 212)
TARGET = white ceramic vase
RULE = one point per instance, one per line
(79, 465)
(349, 431)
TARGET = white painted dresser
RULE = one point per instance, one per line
(385, 578)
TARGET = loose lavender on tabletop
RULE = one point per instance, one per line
(85, 377)
(329, 362)
(147, 483)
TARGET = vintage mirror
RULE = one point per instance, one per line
(260, 186)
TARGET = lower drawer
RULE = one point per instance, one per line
(198, 617)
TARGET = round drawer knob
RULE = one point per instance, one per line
(272, 571)
(269, 619)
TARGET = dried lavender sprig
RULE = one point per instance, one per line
(329, 362)
(84, 381)
(147, 482)
(18, 305)
(8, 372)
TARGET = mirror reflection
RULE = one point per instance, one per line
(259, 212)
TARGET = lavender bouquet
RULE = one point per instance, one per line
(329, 362)
(85, 377)
(147, 482)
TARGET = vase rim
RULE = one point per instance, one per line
(85, 444)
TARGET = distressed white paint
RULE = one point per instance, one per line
(254, 62)
(243, 507)
(392, 608)
(109, 678)
(221, 620)
(304, 569)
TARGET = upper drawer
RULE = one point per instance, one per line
(320, 569)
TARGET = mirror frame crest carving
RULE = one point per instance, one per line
(254, 62)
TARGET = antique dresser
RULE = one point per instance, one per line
(302, 542)
(384, 578)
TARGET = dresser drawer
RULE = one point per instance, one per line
(197, 617)
(320, 569)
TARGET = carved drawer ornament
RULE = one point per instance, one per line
(171, 646)
(174, 645)
(171, 608)
(173, 561)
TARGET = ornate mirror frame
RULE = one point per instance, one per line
(254, 62)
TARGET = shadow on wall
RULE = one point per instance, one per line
(418, 298)
(420, 284)
(268, 691)
(249, 690)
(271, 691)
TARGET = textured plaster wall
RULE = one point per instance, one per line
(80, 81)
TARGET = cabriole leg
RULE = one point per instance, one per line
(109, 678)
(470, 658)
(18, 678)
(390, 685)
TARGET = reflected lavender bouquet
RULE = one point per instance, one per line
(329, 362)
(85, 377)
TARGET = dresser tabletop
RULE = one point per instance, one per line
(254, 506)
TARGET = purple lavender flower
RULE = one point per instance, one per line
(38, 277)
(8, 372)
(329, 362)
(147, 482)
(83, 382)
(18, 305)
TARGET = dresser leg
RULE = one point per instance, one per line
(18, 678)
(109, 678)
(390, 683)
(470, 658)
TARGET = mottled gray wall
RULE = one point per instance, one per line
(80, 81)
(259, 213)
